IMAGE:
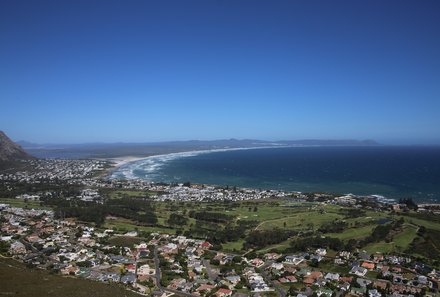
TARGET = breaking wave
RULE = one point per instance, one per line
(149, 168)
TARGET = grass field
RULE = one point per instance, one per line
(353, 233)
(17, 280)
(426, 223)
(267, 215)
(400, 242)
(125, 225)
(233, 246)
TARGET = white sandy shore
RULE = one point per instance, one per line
(119, 161)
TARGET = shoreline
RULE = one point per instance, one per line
(118, 162)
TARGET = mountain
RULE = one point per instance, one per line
(10, 152)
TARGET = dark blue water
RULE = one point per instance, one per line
(390, 171)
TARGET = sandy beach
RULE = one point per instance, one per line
(119, 161)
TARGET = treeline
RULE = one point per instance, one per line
(262, 238)
(91, 213)
(352, 213)
(214, 217)
(217, 235)
(333, 227)
(128, 208)
(58, 189)
(383, 232)
(232, 233)
(409, 203)
(177, 220)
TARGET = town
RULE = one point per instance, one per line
(157, 239)
(163, 264)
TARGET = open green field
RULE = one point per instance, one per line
(23, 204)
(233, 246)
(426, 223)
(17, 280)
(353, 233)
(404, 238)
(124, 225)
(275, 213)
(400, 242)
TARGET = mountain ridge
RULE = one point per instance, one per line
(231, 141)
(119, 149)
(10, 152)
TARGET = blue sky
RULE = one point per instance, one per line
(133, 71)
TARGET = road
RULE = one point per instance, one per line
(158, 276)
(211, 274)
(157, 264)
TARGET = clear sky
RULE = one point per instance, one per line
(134, 71)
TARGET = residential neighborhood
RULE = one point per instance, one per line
(176, 264)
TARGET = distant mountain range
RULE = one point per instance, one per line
(10, 152)
(111, 150)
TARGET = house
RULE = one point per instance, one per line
(129, 278)
(277, 266)
(344, 286)
(205, 288)
(363, 282)
(368, 265)
(206, 245)
(332, 276)
(380, 284)
(223, 292)
(295, 260)
(374, 293)
(308, 281)
(321, 252)
(17, 248)
(290, 279)
(339, 261)
(257, 262)
(359, 271)
(233, 279)
(131, 267)
(145, 270)
(317, 258)
(271, 256)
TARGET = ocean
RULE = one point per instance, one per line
(389, 171)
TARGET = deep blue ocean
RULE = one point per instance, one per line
(393, 172)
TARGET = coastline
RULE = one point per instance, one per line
(119, 161)
(152, 164)
(116, 163)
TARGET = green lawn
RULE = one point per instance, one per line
(425, 223)
(353, 233)
(400, 242)
(124, 225)
(381, 247)
(231, 246)
(300, 220)
(404, 238)
(280, 247)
